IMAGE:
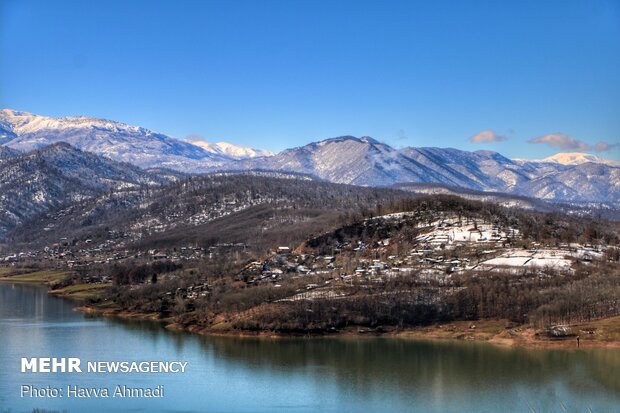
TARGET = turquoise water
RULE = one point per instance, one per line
(292, 375)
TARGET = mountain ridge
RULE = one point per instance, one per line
(230, 150)
(121, 142)
(577, 158)
(362, 161)
(58, 174)
(368, 162)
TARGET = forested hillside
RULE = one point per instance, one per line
(203, 210)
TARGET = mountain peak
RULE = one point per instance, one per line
(142, 147)
(12, 112)
(486, 152)
(347, 138)
(370, 140)
(229, 150)
(25, 122)
(577, 158)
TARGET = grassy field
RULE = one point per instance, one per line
(41, 277)
(607, 329)
(480, 329)
(5, 271)
(599, 333)
(82, 291)
(51, 277)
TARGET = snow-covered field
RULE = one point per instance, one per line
(454, 230)
(561, 259)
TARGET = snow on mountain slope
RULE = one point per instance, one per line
(577, 158)
(120, 142)
(586, 181)
(37, 181)
(346, 159)
(229, 150)
(569, 158)
(93, 170)
(482, 170)
(365, 161)
(6, 131)
(490, 171)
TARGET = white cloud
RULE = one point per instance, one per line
(604, 146)
(486, 135)
(566, 142)
(562, 141)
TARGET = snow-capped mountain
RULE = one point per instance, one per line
(481, 170)
(577, 158)
(569, 158)
(58, 174)
(549, 180)
(229, 150)
(139, 146)
(583, 182)
(365, 161)
(347, 159)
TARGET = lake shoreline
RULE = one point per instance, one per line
(498, 332)
(347, 371)
(488, 331)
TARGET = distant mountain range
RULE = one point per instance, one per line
(139, 146)
(365, 161)
(347, 159)
(572, 158)
(229, 150)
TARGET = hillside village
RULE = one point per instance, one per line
(444, 248)
(462, 236)
(428, 249)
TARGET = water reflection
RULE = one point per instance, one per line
(402, 362)
(405, 369)
(336, 374)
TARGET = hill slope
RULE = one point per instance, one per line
(58, 174)
(207, 209)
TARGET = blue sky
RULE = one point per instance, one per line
(276, 74)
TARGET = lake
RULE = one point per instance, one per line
(291, 375)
